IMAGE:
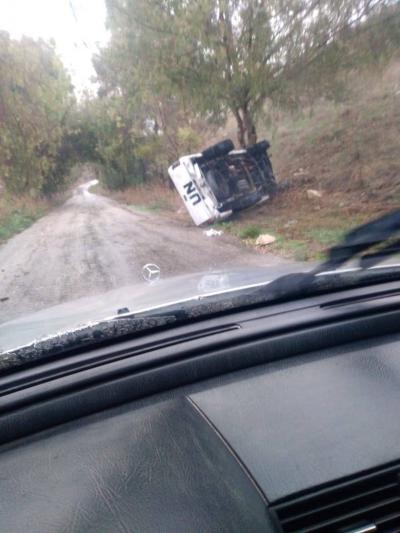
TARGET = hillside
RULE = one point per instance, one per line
(351, 147)
(349, 152)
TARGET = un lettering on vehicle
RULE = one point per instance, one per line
(192, 195)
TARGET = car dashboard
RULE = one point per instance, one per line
(301, 435)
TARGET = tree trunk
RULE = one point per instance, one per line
(250, 127)
(241, 132)
(246, 132)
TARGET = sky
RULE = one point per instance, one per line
(77, 26)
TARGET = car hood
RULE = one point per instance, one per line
(133, 298)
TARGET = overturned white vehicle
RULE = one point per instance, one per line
(215, 183)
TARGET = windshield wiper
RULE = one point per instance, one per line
(370, 260)
(375, 233)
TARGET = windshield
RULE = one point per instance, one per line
(152, 152)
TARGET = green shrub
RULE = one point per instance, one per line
(15, 223)
(252, 231)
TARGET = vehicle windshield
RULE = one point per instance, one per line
(155, 152)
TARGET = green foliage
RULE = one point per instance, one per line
(153, 207)
(172, 68)
(327, 236)
(17, 214)
(294, 247)
(35, 98)
(117, 142)
(252, 231)
(220, 56)
(15, 223)
(187, 138)
(131, 145)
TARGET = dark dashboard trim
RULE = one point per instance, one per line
(348, 480)
(258, 336)
(215, 332)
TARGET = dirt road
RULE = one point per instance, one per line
(92, 244)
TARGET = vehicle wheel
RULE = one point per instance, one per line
(258, 148)
(218, 150)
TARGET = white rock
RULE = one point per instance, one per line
(265, 239)
(313, 193)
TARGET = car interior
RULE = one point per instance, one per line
(199, 327)
(279, 417)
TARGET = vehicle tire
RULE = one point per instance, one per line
(218, 150)
(258, 148)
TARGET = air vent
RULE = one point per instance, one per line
(367, 503)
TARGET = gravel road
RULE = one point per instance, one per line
(92, 244)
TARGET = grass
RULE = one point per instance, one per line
(351, 147)
(226, 225)
(326, 236)
(18, 213)
(296, 249)
(158, 206)
(15, 223)
(304, 229)
(251, 231)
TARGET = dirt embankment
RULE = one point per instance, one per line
(350, 153)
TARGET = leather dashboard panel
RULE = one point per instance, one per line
(157, 468)
(306, 421)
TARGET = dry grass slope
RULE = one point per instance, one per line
(349, 151)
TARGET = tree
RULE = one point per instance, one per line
(223, 55)
(155, 107)
(35, 100)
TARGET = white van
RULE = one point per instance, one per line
(220, 180)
